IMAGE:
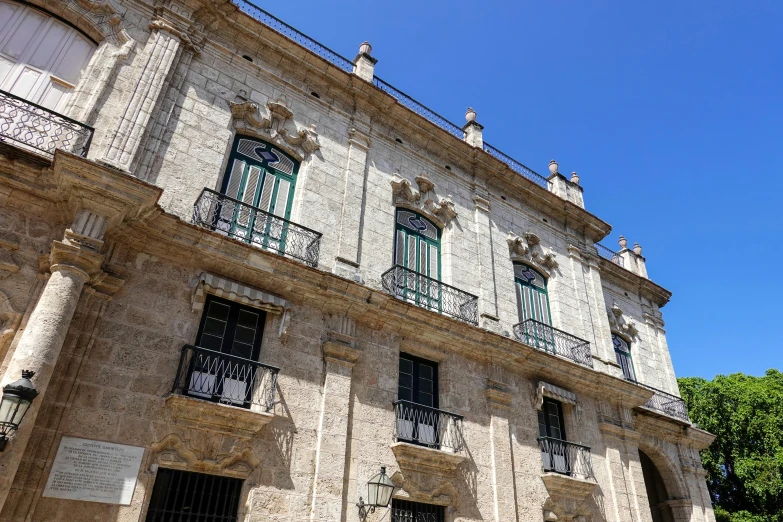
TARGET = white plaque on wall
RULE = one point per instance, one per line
(94, 471)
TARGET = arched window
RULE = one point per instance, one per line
(260, 176)
(417, 246)
(532, 297)
(41, 58)
(622, 350)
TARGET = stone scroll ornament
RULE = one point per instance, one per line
(528, 248)
(619, 323)
(248, 120)
(424, 199)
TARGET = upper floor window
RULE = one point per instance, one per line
(41, 58)
(417, 394)
(532, 296)
(622, 350)
(417, 246)
(551, 432)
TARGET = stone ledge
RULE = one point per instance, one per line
(411, 457)
(220, 418)
(562, 486)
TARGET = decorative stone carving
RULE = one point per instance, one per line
(192, 38)
(567, 496)
(424, 200)
(423, 486)
(620, 324)
(213, 417)
(528, 249)
(103, 16)
(205, 455)
(247, 119)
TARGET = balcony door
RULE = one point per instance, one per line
(418, 421)
(259, 176)
(551, 430)
(41, 58)
(417, 248)
(622, 351)
(533, 304)
(230, 336)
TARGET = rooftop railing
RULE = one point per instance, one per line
(426, 292)
(227, 379)
(250, 224)
(29, 125)
(567, 458)
(554, 341)
(517, 167)
(609, 254)
(428, 426)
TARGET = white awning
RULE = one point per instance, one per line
(546, 389)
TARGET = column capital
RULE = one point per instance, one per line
(67, 257)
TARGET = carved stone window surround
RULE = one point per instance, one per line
(203, 455)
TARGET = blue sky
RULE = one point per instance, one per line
(670, 112)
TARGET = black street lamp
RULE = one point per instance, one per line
(16, 400)
(380, 489)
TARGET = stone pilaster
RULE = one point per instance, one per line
(699, 507)
(350, 226)
(499, 402)
(488, 298)
(159, 57)
(340, 354)
(42, 340)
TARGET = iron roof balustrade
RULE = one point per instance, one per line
(32, 126)
(427, 426)
(566, 458)
(666, 403)
(227, 379)
(426, 292)
(609, 254)
(551, 340)
(250, 224)
(518, 167)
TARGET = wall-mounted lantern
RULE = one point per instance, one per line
(17, 397)
(380, 489)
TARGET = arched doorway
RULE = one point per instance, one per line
(656, 490)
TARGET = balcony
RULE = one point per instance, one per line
(243, 390)
(423, 291)
(32, 127)
(237, 220)
(427, 438)
(667, 404)
(554, 341)
(566, 458)
(609, 254)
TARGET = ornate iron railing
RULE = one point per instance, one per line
(666, 403)
(552, 340)
(428, 426)
(29, 125)
(517, 167)
(408, 285)
(566, 457)
(420, 109)
(292, 34)
(215, 376)
(609, 254)
(252, 225)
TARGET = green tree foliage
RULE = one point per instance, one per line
(745, 462)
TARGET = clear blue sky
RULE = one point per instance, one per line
(670, 111)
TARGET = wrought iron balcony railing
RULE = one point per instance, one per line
(30, 126)
(667, 404)
(609, 254)
(565, 457)
(552, 340)
(427, 426)
(238, 220)
(431, 294)
(227, 379)
(517, 167)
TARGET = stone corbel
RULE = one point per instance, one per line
(246, 117)
(402, 190)
(444, 209)
(422, 487)
(424, 183)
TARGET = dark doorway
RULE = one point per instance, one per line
(183, 496)
(656, 490)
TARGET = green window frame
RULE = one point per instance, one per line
(622, 351)
(532, 294)
(261, 176)
(417, 248)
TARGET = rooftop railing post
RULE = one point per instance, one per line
(474, 134)
(364, 64)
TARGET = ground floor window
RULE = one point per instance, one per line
(405, 511)
(184, 496)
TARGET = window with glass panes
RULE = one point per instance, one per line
(259, 176)
(532, 297)
(551, 431)
(418, 392)
(622, 350)
(417, 244)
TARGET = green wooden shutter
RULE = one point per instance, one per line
(622, 351)
(417, 248)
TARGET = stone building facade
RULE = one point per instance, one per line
(266, 272)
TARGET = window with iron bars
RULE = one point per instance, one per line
(406, 511)
(184, 496)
